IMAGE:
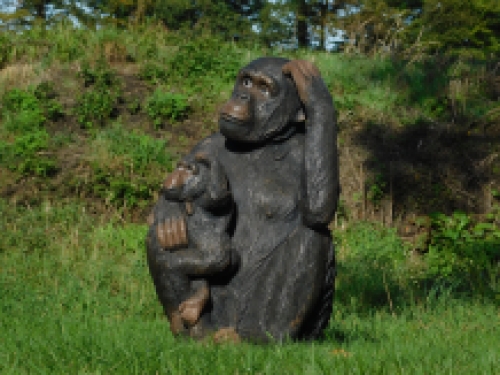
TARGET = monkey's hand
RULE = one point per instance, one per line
(172, 233)
(310, 86)
(175, 181)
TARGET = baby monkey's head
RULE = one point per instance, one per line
(188, 181)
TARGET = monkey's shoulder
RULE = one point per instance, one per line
(209, 146)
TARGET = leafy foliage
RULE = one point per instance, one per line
(127, 167)
(26, 154)
(24, 114)
(23, 111)
(99, 75)
(162, 106)
(195, 59)
(465, 255)
(96, 105)
(153, 72)
(465, 28)
(26, 110)
(5, 48)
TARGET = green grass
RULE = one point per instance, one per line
(75, 294)
(77, 298)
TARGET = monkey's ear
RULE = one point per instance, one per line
(300, 116)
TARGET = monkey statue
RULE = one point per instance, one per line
(277, 148)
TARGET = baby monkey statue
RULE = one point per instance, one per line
(193, 239)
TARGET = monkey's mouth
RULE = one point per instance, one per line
(234, 128)
(231, 119)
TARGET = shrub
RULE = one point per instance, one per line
(22, 111)
(95, 107)
(27, 110)
(162, 106)
(196, 59)
(464, 255)
(23, 155)
(46, 94)
(99, 75)
(127, 167)
(98, 103)
(17, 100)
(153, 73)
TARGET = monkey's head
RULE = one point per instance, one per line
(263, 103)
(187, 182)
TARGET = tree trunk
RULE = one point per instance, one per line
(323, 14)
(302, 37)
(40, 10)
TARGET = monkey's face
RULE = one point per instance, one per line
(186, 182)
(263, 102)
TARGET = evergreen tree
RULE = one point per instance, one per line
(457, 27)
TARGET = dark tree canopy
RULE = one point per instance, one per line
(454, 27)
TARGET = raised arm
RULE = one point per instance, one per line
(321, 184)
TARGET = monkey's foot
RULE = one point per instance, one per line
(190, 310)
(176, 323)
(227, 335)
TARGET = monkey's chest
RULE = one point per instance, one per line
(265, 185)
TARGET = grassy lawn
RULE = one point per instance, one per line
(102, 116)
(76, 298)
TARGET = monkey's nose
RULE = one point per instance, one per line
(244, 97)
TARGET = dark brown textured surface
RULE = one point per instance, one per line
(282, 175)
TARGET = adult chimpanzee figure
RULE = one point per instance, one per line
(195, 196)
(283, 177)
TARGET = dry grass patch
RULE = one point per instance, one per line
(22, 75)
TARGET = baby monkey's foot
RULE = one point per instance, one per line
(176, 324)
(191, 308)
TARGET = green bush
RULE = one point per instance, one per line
(162, 106)
(17, 100)
(127, 167)
(99, 75)
(205, 56)
(464, 255)
(27, 110)
(46, 94)
(95, 106)
(22, 111)
(23, 155)
(153, 72)
(122, 188)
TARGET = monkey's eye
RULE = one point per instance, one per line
(264, 89)
(247, 82)
(194, 168)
